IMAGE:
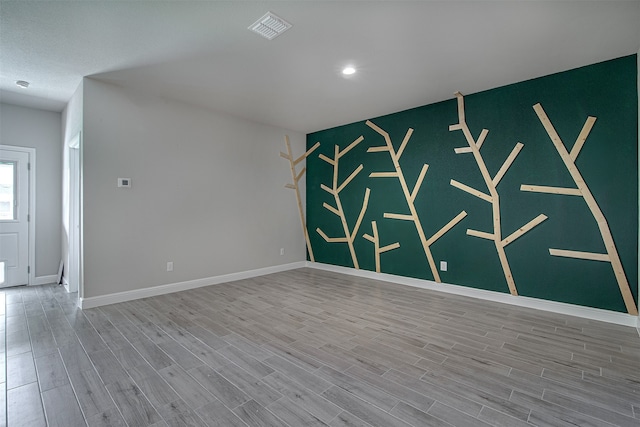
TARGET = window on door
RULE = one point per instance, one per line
(7, 191)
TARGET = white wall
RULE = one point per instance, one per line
(71, 126)
(208, 192)
(40, 129)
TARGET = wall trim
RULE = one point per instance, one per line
(521, 301)
(118, 297)
(45, 280)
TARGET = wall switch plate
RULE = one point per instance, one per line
(281, 251)
(443, 265)
(170, 266)
(124, 182)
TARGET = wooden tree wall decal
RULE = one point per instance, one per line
(569, 159)
(493, 197)
(349, 235)
(375, 239)
(296, 176)
(410, 196)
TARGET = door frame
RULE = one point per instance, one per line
(73, 282)
(31, 152)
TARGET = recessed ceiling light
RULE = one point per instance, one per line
(347, 71)
(23, 84)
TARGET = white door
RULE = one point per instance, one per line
(14, 217)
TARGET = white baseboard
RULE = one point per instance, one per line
(45, 280)
(117, 297)
(539, 304)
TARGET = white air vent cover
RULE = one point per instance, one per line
(270, 26)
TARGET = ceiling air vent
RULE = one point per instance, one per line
(270, 26)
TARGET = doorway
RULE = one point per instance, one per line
(17, 201)
(73, 275)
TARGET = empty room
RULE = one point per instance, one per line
(319, 213)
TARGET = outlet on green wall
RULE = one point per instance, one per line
(607, 162)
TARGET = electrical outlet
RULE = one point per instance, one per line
(281, 251)
(443, 265)
(170, 266)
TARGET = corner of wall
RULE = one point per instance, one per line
(72, 124)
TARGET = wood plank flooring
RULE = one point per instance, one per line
(310, 348)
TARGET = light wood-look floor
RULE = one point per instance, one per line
(311, 348)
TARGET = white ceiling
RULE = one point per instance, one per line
(407, 53)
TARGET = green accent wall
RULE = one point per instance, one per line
(608, 163)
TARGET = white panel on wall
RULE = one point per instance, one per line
(9, 248)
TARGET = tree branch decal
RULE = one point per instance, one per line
(375, 239)
(296, 176)
(569, 158)
(493, 197)
(410, 195)
(334, 190)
